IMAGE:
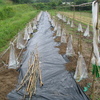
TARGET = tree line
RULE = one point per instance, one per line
(38, 1)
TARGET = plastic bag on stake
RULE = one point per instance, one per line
(64, 19)
(20, 41)
(80, 28)
(86, 33)
(26, 35)
(70, 50)
(30, 30)
(55, 28)
(63, 37)
(72, 24)
(12, 57)
(68, 22)
(81, 69)
(58, 31)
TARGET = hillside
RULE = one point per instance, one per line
(13, 18)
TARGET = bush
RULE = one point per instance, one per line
(6, 12)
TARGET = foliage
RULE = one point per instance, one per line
(22, 1)
(6, 12)
(9, 27)
(82, 1)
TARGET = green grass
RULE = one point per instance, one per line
(9, 27)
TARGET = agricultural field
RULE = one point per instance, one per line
(84, 18)
(18, 18)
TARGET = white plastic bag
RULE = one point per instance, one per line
(70, 50)
(30, 30)
(80, 28)
(12, 57)
(59, 16)
(55, 28)
(26, 35)
(58, 31)
(86, 33)
(64, 19)
(68, 22)
(52, 23)
(39, 16)
(20, 41)
(63, 37)
(72, 24)
(81, 69)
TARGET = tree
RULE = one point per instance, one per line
(81, 1)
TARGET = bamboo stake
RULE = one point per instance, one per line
(90, 59)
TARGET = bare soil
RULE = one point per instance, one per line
(8, 81)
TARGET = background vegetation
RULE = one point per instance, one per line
(15, 14)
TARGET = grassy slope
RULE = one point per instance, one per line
(9, 27)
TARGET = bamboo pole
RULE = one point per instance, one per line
(90, 59)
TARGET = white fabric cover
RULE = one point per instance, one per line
(26, 35)
(95, 35)
(86, 33)
(70, 50)
(68, 22)
(81, 69)
(20, 41)
(72, 24)
(12, 57)
(80, 28)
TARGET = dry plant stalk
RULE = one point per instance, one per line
(31, 77)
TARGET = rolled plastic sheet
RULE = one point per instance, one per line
(86, 33)
(95, 21)
(59, 84)
(80, 29)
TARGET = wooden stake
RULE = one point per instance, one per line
(90, 59)
(93, 87)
